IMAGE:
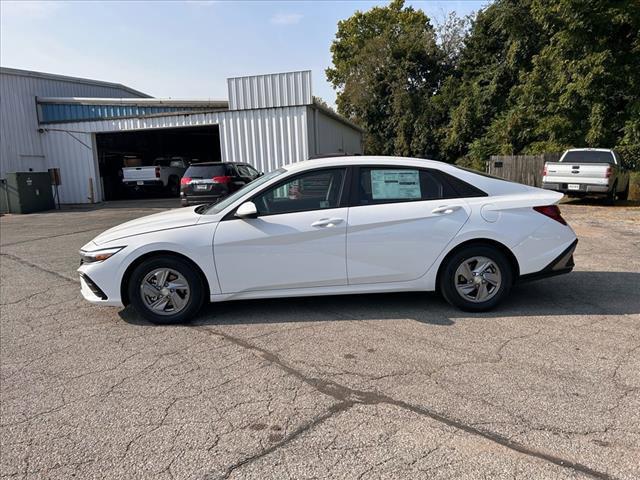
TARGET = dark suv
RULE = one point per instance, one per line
(210, 182)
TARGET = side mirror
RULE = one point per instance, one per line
(247, 210)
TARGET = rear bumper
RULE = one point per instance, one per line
(145, 183)
(199, 199)
(584, 188)
(563, 263)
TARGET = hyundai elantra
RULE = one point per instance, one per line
(335, 226)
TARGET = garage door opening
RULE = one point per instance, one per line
(143, 148)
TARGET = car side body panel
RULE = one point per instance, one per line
(399, 242)
(291, 250)
(193, 242)
(392, 247)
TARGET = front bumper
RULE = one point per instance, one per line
(97, 283)
(90, 290)
(563, 263)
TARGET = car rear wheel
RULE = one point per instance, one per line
(166, 290)
(624, 195)
(476, 278)
(173, 187)
(610, 199)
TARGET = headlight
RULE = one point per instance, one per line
(98, 255)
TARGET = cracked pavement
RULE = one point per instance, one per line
(355, 387)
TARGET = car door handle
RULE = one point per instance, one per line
(445, 209)
(327, 222)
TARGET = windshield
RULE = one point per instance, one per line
(588, 156)
(218, 207)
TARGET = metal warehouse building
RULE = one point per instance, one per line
(86, 127)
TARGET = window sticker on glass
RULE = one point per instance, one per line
(395, 184)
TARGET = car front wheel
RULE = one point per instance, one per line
(476, 278)
(166, 290)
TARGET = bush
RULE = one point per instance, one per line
(630, 155)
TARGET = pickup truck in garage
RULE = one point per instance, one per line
(582, 172)
(164, 174)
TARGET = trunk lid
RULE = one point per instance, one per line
(139, 173)
(561, 172)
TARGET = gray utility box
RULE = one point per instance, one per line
(26, 192)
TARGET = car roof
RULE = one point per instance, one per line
(368, 160)
(207, 164)
(589, 150)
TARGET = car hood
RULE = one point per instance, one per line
(177, 218)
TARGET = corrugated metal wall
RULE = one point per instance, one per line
(328, 135)
(73, 153)
(268, 125)
(20, 143)
(266, 138)
(267, 91)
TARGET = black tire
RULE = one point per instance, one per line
(610, 199)
(624, 195)
(173, 187)
(193, 280)
(447, 279)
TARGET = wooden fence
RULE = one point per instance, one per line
(525, 169)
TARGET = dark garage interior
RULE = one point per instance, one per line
(140, 148)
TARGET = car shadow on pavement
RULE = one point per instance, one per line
(578, 293)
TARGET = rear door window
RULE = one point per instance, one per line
(460, 188)
(379, 185)
(244, 171)
(254, 173)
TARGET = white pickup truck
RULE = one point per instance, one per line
(588, 172)
(165, 174)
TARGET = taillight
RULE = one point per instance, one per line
(222, 179)
(157, 172)
(551, 211)
(185, 180)
(544, 171)
(609, 172)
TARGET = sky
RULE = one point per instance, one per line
(187, 49)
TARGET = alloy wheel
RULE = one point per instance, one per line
(478, 279)
(165, 291)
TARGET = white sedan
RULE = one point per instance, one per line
(335, 226)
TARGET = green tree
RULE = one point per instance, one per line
(542, 76)
(451, 35)
(528, 76)
(386, 67)
(589, 72)
(499, 49)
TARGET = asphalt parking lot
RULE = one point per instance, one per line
(374, 386)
